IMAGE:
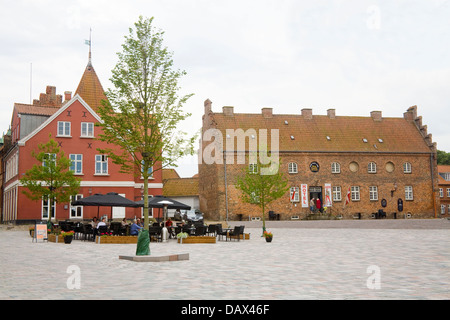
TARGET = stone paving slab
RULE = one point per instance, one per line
(300, 263)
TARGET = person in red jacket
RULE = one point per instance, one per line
(318, 205)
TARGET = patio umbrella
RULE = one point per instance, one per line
(156, 202)
(111, 199)
(159, 201)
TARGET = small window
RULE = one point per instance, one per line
(101, 164)
(355, 193)
(407, 167)
(295, 194)
(409, 193)
(87, 129)
(292, 167)
(63, 129)
(335, 167)
(337, 195)
(373, 193)
(77, 163)
(441, 192)
(372, 167)
(448, 192)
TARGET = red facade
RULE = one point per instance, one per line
(72, 125)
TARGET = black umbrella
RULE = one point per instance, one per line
(160, 201)
(111, 199)
(154, 202)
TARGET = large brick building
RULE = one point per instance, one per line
(72, 124)
(379, 161)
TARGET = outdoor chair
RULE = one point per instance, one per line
(200, 231)
(221, 232)
(155, 233)
(88, 232)
(78, 230)
(238, 230)
(102, 229)
(211, 231)
(115, 228)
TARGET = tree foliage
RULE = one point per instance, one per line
(443, 157)
(261, 189)
(52, 178)
(143, 110)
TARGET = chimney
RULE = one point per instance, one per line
(376, 115)
(67, 95)
(228, 111)
(331, 113)
(411, 113)
(208, 104)
(307, 113)
(267, 112)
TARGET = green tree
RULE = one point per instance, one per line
(144, 110)
(443, 157)
(52, 178)
(261, 188)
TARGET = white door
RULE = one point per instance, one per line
(119, 212)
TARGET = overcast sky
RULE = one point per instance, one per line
(355, 56)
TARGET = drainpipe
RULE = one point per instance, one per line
(226, 184)
(432, 185)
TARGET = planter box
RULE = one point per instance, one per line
(116, 239)
(198, 239)
(55, 238)
(245, 236)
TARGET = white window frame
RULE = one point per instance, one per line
(253, 168)
(296, 195)
(441, 192)
(335, 167)
(372, 167)
(407, 167)
(292, 167)
(409, 195)
(48, 157)
(45, 207)
(65, 130)
(76, 209)
(337, 193)
(448, 192)
(102, 160)
(75, 161)
(87, 130)
(442, 208)
(373, 193)
(355, 193)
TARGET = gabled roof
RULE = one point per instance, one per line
(56, 114)
(322, 133)
(90, 88)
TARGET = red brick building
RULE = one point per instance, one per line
(379, 161)
(72, 124)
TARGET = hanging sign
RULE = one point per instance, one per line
(304, 193)
(328, 201)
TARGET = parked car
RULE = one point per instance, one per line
(192, 215)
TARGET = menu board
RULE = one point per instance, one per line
(40, 232)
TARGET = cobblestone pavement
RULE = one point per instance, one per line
(320, 260)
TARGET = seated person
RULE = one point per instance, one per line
(135, 228)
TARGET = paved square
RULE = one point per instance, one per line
(306, 260)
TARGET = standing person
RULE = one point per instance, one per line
(312, 204)
(318, 205)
